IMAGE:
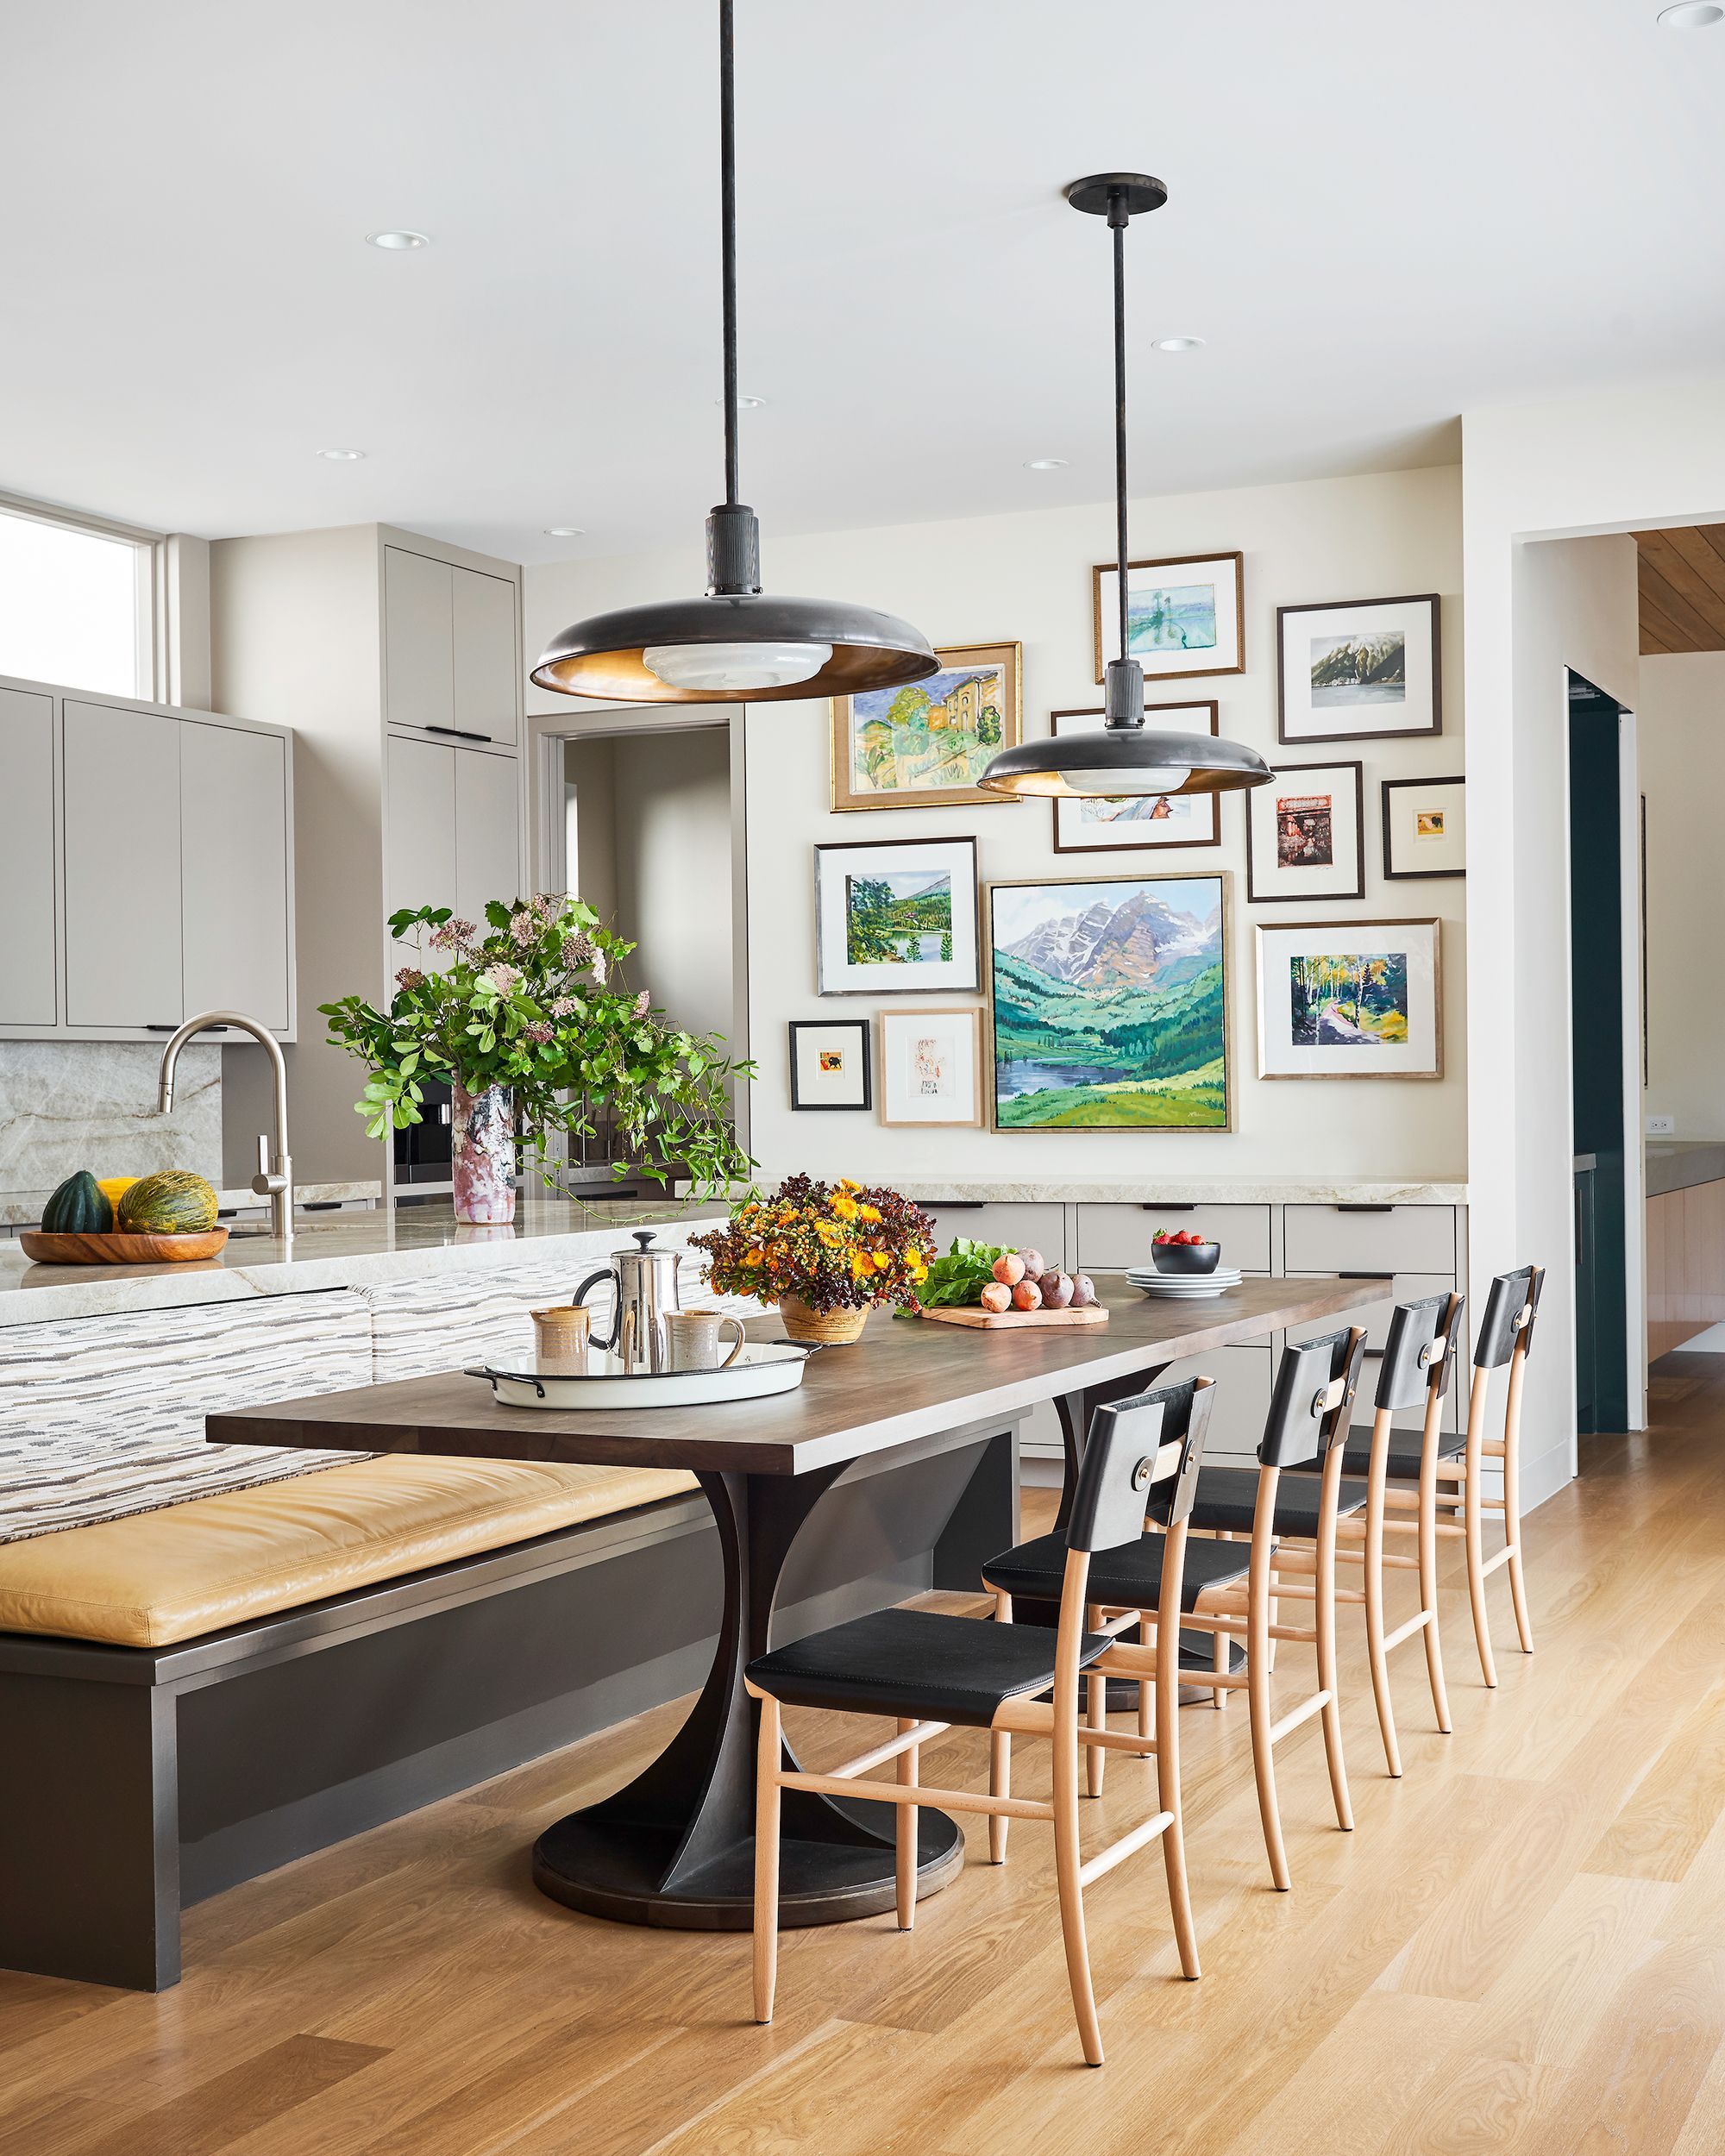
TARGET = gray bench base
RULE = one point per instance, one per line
(135, 1780)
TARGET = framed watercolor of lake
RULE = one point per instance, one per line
(1091, 823)
(926, 744)
(1182, 618)
(1358, 669)
(1108, 1002)
(1350, 999)
(896, 917)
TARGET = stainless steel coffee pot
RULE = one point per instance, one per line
(646, 1281)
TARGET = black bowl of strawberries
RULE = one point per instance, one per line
(1183, 1251)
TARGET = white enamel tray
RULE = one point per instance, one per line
(762, 1368)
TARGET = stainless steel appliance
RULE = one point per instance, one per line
(646, 1282)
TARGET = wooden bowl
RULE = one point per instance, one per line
(44, 1248)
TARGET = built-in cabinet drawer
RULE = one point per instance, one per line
(1243, 1376)
(450, 650)
(1113, 1237)
(1016, 1227)
(28, 992)
(1354, 1238)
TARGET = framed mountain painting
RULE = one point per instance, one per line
(926, 744)
(1108, 1003)
(1358, 669)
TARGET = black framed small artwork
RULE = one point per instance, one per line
(1306, 834)
(1425, 827)
(829, 1063)
(1358, 669)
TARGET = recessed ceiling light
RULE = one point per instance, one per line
(1691, 14)
(398, 243)
(566, 532)
(342, 456)
(1046, 464)
(1177, 344)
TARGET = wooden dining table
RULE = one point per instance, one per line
(674, 1847)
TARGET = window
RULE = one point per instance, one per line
(77, 603)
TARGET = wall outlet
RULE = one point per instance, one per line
(1661, 1125)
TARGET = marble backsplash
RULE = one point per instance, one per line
(68, 1105)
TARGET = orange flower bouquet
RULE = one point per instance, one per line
(826, 1253)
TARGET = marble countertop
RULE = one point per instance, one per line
(336, 1250)
(23, 1208)
(1181, 1190)
(1681, 1163)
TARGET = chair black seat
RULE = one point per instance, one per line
(1227, 1502)
(916, 1664)
(1129, 1577)
(1403, 1457)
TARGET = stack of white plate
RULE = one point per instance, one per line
(1183, 1287)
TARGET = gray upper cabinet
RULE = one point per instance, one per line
(487, 831)
(453, 823)
(451, 661)
(28, 967)
(233, 854)
(123, 891)
(486, 671)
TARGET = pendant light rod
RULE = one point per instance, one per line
(1119, 218)
(727, 221)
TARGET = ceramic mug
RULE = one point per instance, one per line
(563, 1335)
(695, 1339)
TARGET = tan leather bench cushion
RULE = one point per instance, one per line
(213, 1561)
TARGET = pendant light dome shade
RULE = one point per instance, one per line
(736, 641)
(1125, 757)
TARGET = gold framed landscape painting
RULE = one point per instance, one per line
(926, 744)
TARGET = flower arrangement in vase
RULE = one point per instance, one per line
(527, 1020)
(826, 1253)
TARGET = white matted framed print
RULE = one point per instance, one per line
(932, 1067)
(1350, 999)
(1425, 827)
(829, 1066)
(1305, 835)
(896, 917)
(1356, 670)
(1182, 618)
(1087, 824)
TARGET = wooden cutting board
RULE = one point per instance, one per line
(1012, 1320)
(43, 1248)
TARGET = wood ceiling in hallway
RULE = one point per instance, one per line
(1682, 588)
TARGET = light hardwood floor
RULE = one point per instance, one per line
(1520, 1949)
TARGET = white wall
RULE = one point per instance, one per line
(1682, 734)
(1028, 577)
(672, 871)
(593, 873)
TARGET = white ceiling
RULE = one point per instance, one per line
(1383, 211)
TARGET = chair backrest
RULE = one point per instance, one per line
(1136, 1446)
(1510, 1309)
(1315, 1384)
(1418, 1353)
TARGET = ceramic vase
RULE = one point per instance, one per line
(830, 1328)
(482, 1132)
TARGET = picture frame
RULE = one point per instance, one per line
(1054, 968)
(846, 1081)
(932, 1068)
(897, 917)
(1350, 999)
(1129, 824)
(921, 745)
(1425, 827)
(1362, 669)
(1188, 615)
(1305, 835)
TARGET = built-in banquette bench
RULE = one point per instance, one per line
(195, 1693)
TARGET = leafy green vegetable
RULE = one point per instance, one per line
(960, 1277)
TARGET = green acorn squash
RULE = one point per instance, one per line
(78, 1208)
(172, 1202)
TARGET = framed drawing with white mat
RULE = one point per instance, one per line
(1089, 824)
(932, 1067)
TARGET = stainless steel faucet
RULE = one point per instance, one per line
(274, 1178)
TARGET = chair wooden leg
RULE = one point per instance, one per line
(766, 1861)
(1476, 1575)
(1168, 1800)
(906, 1877)
(1512, 1528)
(1428, 1600)
(1000, 1758)
(1066, 1869)
(1146, 1637)
(1263, 1751)
(1382, 1696)
(1219, 1694)
(1096, 1702)
(1324, 1623)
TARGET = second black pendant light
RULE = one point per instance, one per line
(1125, 756)
(735, 643)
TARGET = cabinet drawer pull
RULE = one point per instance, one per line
(1151, 1205)
(1371, 1272)
(1364, 1208)
(457, 733)
(174, 1029)
(957, 1205)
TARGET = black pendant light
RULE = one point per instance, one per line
(1126, 756)
(736, 644)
